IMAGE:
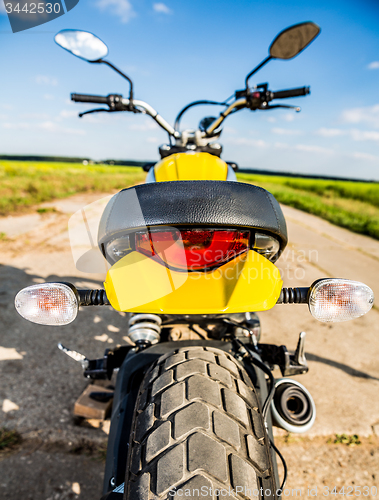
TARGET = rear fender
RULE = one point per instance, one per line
(249, 282)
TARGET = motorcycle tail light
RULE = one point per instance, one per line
(192, 249)
(333, 300)
(51, 304)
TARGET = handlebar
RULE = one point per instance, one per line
(143, 107)
(282, 94)
(239, 103)
(118, 103)
(262, 98)
(96, 99)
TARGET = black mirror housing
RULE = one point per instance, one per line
(291, 41)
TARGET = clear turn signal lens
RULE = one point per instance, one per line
(333, 300)
(52, 304)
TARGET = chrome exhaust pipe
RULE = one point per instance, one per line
(292, 407)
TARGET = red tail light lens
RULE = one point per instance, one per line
(193, 249)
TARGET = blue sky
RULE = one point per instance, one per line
(178, 51)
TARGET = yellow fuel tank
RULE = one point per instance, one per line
(191, 166)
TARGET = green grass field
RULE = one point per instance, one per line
(24, 184)
(354, 205)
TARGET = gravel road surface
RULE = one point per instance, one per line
(39, 384)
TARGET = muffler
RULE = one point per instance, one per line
(292, 407)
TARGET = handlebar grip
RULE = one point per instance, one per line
(281, 94)
(97, 99)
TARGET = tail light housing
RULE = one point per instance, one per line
(192, 249)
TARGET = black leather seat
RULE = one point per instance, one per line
(200, 203)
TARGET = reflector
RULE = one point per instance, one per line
(334, 300)
(266, 245)
(51, 304)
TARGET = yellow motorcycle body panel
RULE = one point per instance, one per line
(191, 167)
(137, 283)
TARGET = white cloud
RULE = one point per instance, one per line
(148, 125)
(313, 149)
(330, 132)
(34, 116)
(46, 80)
(365, 156)
(16, 126)
(285, 131)
(120, 8)
(307, 148)
(57, 129)
(281, 145)
(230, 130)
(364, 135)
(373, 65)
(47, 126)
(368, 114)
(162, 8)
(65, 113)
(100, 118)
(49, 97)
(244, 141)
(355, 134)
(289, 117)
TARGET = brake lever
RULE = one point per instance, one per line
(97, 110)
(287, 106)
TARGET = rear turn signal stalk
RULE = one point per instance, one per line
(329, 300)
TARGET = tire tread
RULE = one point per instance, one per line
(197, 421)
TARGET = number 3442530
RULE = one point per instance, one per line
(350, 491)
(33, 8)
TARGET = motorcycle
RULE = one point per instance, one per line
(192, 252)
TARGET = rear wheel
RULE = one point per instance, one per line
(198, 431)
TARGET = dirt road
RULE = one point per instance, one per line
(39, 384)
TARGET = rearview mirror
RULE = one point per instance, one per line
(82, 44)
(288, 44)
(293, 40)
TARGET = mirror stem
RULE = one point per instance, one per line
(255, 70)
(120, 73)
